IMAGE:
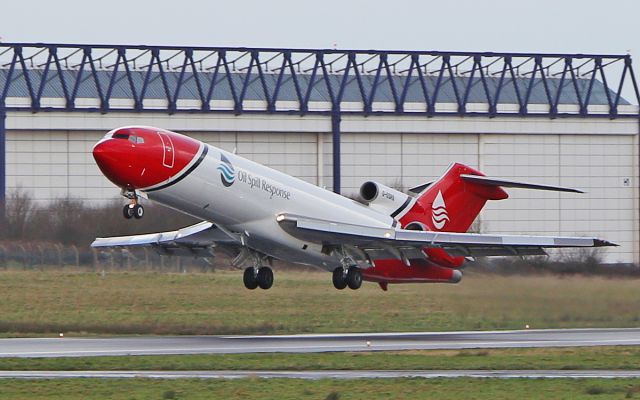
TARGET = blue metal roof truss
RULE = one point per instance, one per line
(144, 73)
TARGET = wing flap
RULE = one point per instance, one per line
(490, 251)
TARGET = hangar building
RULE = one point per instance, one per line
(337, 118)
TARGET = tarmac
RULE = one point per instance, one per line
(157, 345)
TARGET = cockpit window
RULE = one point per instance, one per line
(122, 133)
(136, 139)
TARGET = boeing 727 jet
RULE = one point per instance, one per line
(257, 214)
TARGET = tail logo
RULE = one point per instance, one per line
(439, 215)
(227, 172)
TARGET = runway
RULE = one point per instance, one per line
(313, 375)
(156, 345)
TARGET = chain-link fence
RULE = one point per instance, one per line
(31, 255)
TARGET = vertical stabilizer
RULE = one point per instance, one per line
(451, 203)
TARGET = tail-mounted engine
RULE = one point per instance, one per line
(384, 199)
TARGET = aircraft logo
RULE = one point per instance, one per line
(439, 215)
(227, 173)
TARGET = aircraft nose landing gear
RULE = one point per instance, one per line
(134, 209)
(138, 211)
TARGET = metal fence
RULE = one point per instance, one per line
(30, 255)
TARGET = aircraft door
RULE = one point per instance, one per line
(168, 151)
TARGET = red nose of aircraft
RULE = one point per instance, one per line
(141, 157)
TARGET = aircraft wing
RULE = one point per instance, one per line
(194, 240)
(409, 242)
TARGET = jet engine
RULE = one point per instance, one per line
(383, 198)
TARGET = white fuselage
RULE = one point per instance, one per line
(254, 195)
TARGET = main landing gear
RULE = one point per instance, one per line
(352, 277)
(134, 209)
(258, 277)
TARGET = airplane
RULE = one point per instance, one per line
(257, 214)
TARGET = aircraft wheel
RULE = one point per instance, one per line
(339, 280)
(127, 211)
(354, 278)
(249, 278)
(138, 211)
(265, 277)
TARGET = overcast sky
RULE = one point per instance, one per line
(567, 26)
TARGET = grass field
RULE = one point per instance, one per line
(493, 389)
(576, 358)
(85, 303)
(80, 302)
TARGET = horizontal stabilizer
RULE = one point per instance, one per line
(487, 181)
(419, 189)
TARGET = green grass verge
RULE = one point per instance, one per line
(549, 358)
(281, 389)
(49, 302)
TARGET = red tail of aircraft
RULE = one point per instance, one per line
(464, 201)
(449, 204)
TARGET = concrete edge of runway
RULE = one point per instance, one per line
(314, 375)
(434, 333)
